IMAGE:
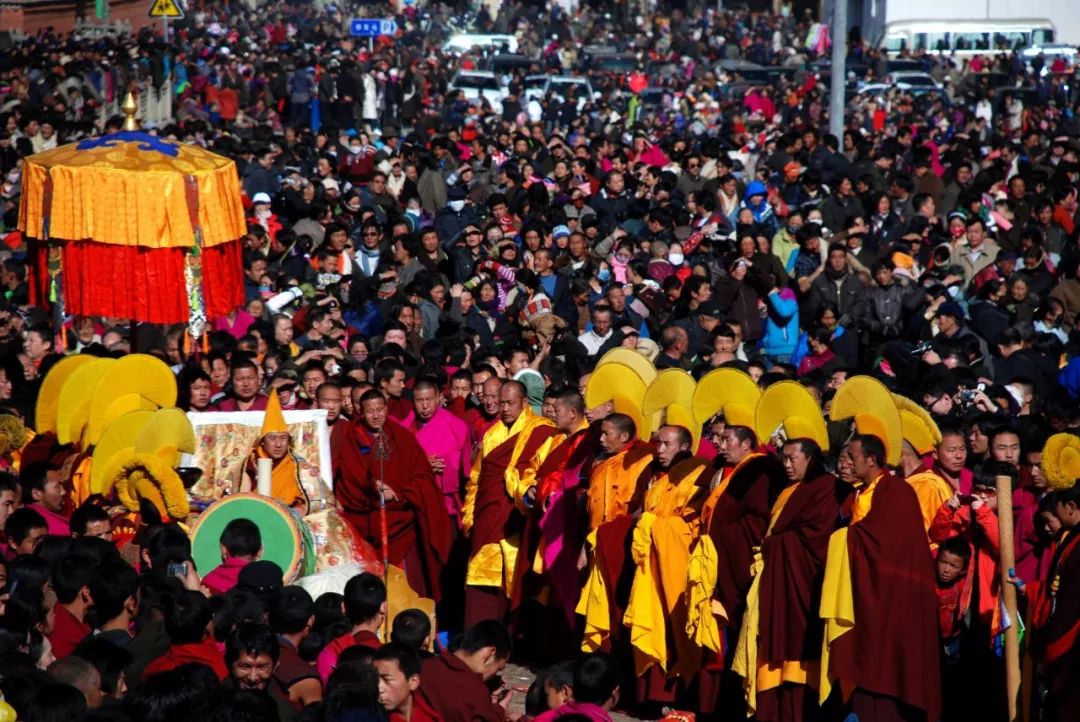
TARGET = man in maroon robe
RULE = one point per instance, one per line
(500, 484)
(455, 683)
(735, 516)
(889, 660)
(1057, 641)
(793, 556)
(380, 457)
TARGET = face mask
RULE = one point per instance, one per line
(355, 150)
(263, 214)
(675, 259)
(603, 275)
(456, 206)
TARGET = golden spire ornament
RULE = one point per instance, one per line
(130, 108)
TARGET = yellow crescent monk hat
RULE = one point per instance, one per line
(919, 428)
(48, 400)
(728, 391)
(679, 415)
(626, 405)
(611, 379)
(168, 434)
(869, 404)
(139, 374)
(115, 448)
(73, 407)
(671, 386)
(642, 366)
(1061, 461)
(274, 419)
(787, 407)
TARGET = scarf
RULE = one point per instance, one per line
(369, 259)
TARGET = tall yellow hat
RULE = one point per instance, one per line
(136, 374)
(1061, 461)
(274, 419)
(73, 406)
(48, 401)
(919, 428)
(788, 407)
(869, 404)
(642, 366)
(729, 391)
(168, 434)
(679, 415)
(626, 405)
(671, 386)
(610, 379)
(115, 448)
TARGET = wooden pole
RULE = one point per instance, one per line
(1008, 592)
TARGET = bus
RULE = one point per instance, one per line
(965, 38)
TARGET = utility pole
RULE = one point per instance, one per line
(839, 69)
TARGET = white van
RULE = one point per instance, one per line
(463, 42)
(965, 38)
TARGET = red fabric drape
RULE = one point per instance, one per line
(223, 278)
(125, 282)
(145, 284)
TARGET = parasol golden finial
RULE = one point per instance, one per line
(130, 109)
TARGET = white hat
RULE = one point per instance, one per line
(261, 198)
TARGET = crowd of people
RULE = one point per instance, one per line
(442, 275)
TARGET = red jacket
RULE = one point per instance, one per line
(981, 533)
(204, 652)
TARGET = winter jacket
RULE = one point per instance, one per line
(781, 325)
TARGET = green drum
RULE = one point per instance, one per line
(286, 540)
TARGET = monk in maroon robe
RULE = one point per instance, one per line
(455, 684)
(1057, 641)
(890, 658)
(385, 457)
(735, 516)
(793, 554)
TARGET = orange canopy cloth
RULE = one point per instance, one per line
(132, 189)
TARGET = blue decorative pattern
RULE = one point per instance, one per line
(144, 141)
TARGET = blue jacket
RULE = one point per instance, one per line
(782, 324)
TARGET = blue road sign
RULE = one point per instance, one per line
(372, 27)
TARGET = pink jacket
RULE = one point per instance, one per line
(448, 436)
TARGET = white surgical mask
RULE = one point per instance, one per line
(456, 206)
(676, 259)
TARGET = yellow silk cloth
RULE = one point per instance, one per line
(125, 194)
(663, 534)
(702, 609)
(593, 604)
(613, 481)
(760, 677)
(932, 492)
(493, 565)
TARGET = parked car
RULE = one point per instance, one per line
(480, 84)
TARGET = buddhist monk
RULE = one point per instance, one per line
(879, 571)
(293, 481)
(383, 459)
(616, 488)
(502, 477)
(656, 615)
(455, 683)
(780, 640)
(734, 518)
(931, 490)
(446, 441)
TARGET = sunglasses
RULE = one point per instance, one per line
(371, 234)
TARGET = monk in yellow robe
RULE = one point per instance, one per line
(931, 490)
(293, 481)
(656, 615)
(616, 489)
(502, 482)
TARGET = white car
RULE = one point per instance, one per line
(538, 86)
(907, 80)
(463, 42)
(477, 84)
